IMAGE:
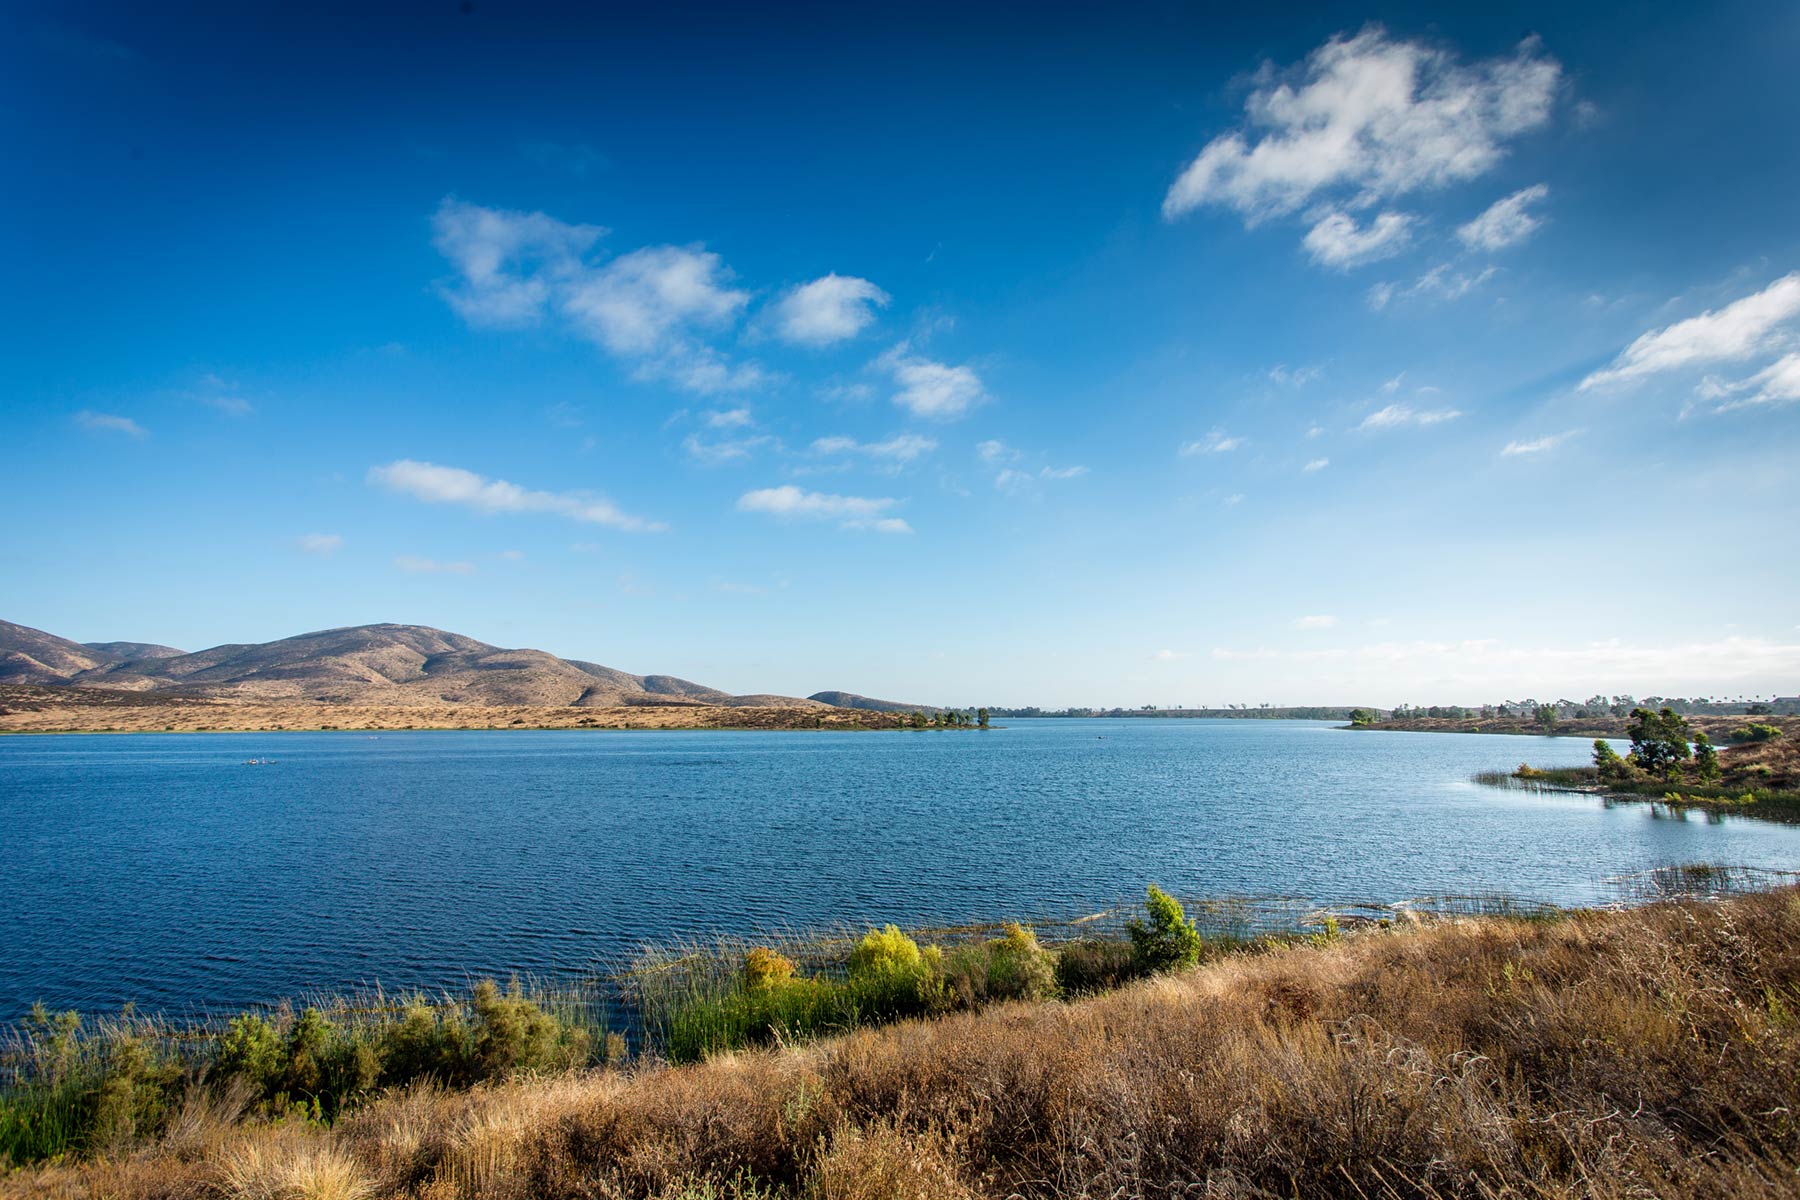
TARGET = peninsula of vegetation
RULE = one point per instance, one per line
(1647, 1052)
(1673, 761)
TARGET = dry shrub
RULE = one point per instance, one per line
(883, 1162)
(268, 1169)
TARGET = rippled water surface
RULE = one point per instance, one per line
(161, 869)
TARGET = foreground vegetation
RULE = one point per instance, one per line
(1652, 1052)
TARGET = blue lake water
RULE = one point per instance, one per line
(160, 869)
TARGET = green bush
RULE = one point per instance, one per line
(886, 951)
(1608, 765)
(1166, 941)
(1018, 968)
(1755, 731)
(764, 968)
(1094, 965)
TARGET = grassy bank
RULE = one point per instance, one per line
(1649, 1052)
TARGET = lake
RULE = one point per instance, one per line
(161, 869)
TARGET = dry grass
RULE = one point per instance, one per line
(1651, 1053)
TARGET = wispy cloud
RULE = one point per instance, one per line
(1216, 442)
(1286, 376)
(995, 451)
(1743, 329)
(1505, 222)
(1397, 415)
(452, 485)
(99, 422)
(1169, 656)
(1367, 118)
(1055, 473)
(724, 450)
(1537, 445)
(901, 448)
(321, 543)
(1315, 622)
(1317, 464)
(730, 418)
(1776, 385)
(851, 512)
(1441, 282)
(414, 565)
(931, 389)
(1336, 240)
(828, 310)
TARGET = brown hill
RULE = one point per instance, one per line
(364, 664)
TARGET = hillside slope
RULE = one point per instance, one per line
(365, 664)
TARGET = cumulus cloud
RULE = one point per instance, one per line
(1396, 415)
(1367, 118)
(452, 485)
(828, 310)
(850, 512)
(1742, 329)
(902, 447)
(1505, 222)
(414, 565)
(99, 422)
(648, 306)
(321, 543)
(1536, 445)
(931, 389)
(1338, 241)
(1215, 442)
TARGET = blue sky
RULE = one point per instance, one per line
(1035, 354)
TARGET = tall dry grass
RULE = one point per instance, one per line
(1649, 1053)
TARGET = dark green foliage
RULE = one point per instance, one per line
(1166, 941)
(1095, 965)
(1364, 716)
(1607, 764)
(1659, 740)
(1546, 716)
(1755, 731)
(1706, 759)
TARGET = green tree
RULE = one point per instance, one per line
(1659, 740)
(1364, 716)
(1607, 763)
(981, 717)
(1706, 759)
(1168, 939)
(1546, 716)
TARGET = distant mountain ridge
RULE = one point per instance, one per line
(362, 664)
(868, 703)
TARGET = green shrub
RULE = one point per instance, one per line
(764, 968)
(1166, 941)
(514, 1035)
(1706, 759)
(885, 951)
(1608, 765)
(1755, 731)
(1094, 965)
(1018, 968)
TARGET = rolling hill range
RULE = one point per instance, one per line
(364, 664)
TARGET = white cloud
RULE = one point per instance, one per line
(648, 306)
(1169, 656)
(1395, 415)
(1393, 385)
(99, 422)
(1368, 117)
(1317, 622)
(1009, 480)
(414, 565)
(995, 451)
(1537, 445)
(931, 389)
(637, 303)
(452, 485)
(321, 543)
(1505, 222)
(1776, 385)
(828, 310)
(1215, 442)
(851, 512)
(509, 263)
(1299, 377)
(1317, 464)
(1442, 282)
(724, 450)
(1336, 240)
(1742, 329)
(731, 418)
(902, 447)
(1062, 472)
(1233, 500)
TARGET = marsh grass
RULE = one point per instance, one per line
(1649, 1052)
